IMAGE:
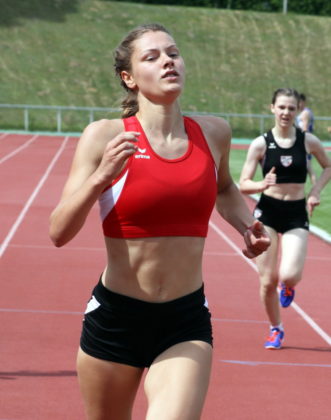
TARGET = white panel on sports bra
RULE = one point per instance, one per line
(108, 199)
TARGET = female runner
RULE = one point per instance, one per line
(282, 153)
(157, 175)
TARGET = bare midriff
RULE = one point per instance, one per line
(154, 269)
(286, 192)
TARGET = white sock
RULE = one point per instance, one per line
(279, 326)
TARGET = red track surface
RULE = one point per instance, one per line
(44, 291)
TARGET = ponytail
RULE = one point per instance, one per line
(130, 104)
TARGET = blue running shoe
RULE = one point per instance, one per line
(275, 340)
(286, 295)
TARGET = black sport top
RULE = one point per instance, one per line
(290, 163)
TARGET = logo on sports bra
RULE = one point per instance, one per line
(286, 161)
(141, 155)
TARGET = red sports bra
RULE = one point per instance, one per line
(154, 196)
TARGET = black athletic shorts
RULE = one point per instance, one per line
(282, 215)
(134, 332)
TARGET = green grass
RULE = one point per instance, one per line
(60, 53)
(321, 215)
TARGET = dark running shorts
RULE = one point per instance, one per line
(122, 329)
(282, 215)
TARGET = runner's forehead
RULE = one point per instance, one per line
(286, 100)
(150, 41)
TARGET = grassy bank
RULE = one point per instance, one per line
(60, 53)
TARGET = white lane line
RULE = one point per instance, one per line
(21, 216)
(102, 249)
(53, 312)
(260, 363)
(39, 311)
(320, 233)
(63, 249)
(294, 306)
(232, 245)
(238, 321)
(311, 322)
(18, 149)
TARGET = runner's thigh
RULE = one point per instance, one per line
(108, 388)
(294, 250)
(177, 382)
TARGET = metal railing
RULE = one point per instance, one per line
(59, 112)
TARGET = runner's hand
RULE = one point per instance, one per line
(270, 179)
(116, 154)
(312, 202)
(257, 240)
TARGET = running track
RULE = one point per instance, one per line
(44, 291)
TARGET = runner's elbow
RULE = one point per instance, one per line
(57, 239)
(57, 235)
